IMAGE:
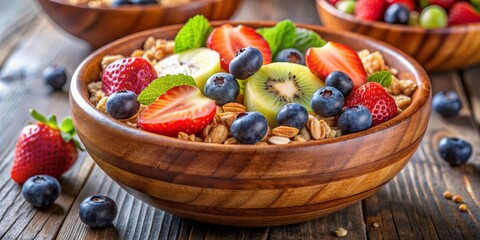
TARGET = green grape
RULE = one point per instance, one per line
(346, 6)
(433, 17)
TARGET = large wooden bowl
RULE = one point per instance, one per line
(246, 185)
(436, 50)
(99, 26)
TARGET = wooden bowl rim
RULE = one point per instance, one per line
(396, 27)
(194, 3)
(105, 121)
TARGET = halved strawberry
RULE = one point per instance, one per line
(336, 57)
(180, 109)
(463, 13)
(228, 40)
(374, 97)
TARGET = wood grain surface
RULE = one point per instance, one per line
(410, 206)
(437, 50)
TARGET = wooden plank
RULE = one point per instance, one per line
(135, 220)
(411, 206)
(471, 80)
(18, 93)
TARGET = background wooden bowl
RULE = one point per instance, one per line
(436, 50)
(99, 26)
(245, 185)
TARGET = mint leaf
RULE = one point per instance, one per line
(193, 34)
(306, 39)
(384, 78)
(279, 37)
(161, 85)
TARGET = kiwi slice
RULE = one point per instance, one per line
(277, 84)
(199, 63)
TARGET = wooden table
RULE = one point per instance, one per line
(411, 206)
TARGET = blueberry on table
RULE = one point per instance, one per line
(41, 190)
(246, 62)
(98, 211)
(142, 2)
(292, 115)
(117, 3)
(447, 103)
(122, 104)
(249, 127)
(55, 76)
(354, 119)
(327, 101)
(397, 14)
(222, 87)
(340, 81)
(455, 151)
(290, 55)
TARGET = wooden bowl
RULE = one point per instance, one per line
(250, 185)
(436, 50)
(99, 26)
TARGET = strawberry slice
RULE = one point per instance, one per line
(180, 109)
(336, 57)
(228, 40)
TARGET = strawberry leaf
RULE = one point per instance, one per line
(159, 86)
(306, 39)
(66, 136)
(37, 116)
(67, 126)
(78, 145)
(384, 78)
(52, 121)
(193, 34)
(279, 37)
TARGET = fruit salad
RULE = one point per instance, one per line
(118, 3)
(429, 14)
(238, 85)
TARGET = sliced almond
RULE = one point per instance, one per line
(230, 141)
(276, 140)
(182, 136)
(285, 131)
(299, 139)
(234, 107)
(306, 134)
(228, 119)
(218, 135)
(206, 131)
(314, 127)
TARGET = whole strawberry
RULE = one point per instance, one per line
(410, 4)
(463, 13)
(445, 4)
(370, 9)
(44, 148)
(132, 74)
(374, 97)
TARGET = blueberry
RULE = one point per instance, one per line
(292, 115)
(447, 103)
(397, 14)
(41, 190)
(340, 81)
(98, 211)
(354, 119)
(246, 63)
(222, 87)
(122, 104)
(55, 76)
(117, 3)
(249, 127)
(290, 55)
(141, 2)
(455, 151)
(327, 101)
